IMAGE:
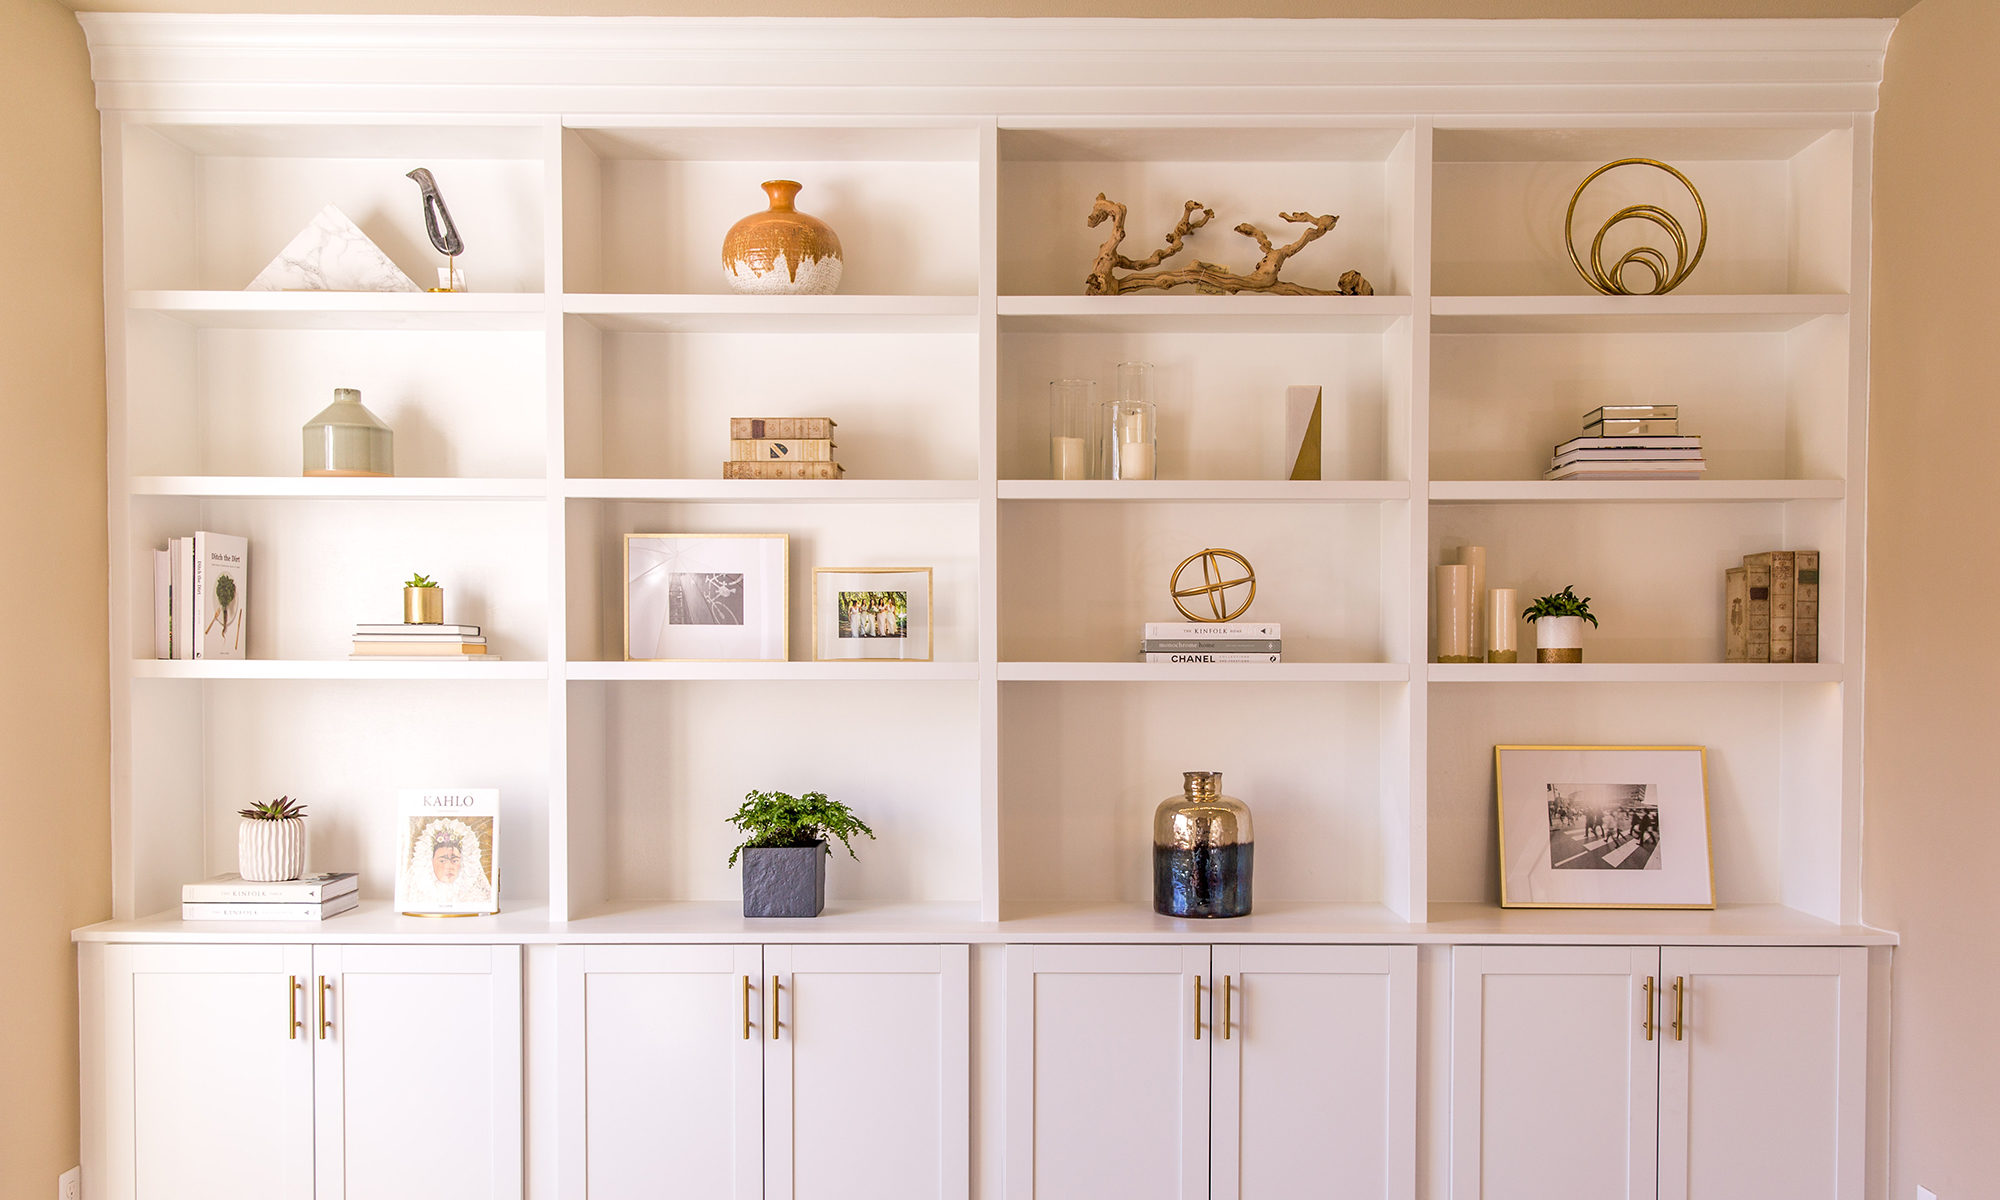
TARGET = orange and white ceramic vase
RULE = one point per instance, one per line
(782, 251)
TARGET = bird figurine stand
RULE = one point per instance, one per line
(443, 233)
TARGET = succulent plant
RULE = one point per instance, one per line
(421, 581)
(284, 808)
(1565, 603)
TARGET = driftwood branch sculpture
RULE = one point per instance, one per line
(1206, 277)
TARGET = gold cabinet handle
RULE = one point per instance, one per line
(1197, 1008)
(1226, 987)
(292, 1022)
(324, 1024)
(1649, 1008)
(746, 1008)
(1680, 999)
(774, 1008)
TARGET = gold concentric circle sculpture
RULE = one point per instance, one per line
(1665, 278)
(1214, 585)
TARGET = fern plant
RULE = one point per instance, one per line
(769, 819)
(284, 808)
(1565, 603)
(421, 581)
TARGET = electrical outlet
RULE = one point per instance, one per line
(70, 1186)
(1924, 1193)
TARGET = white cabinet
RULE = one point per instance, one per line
(660, 1058)
(208, 1067)
(417, 1072)
(866, 1073)
(802, 1072)
(1683, 1073)
(1762, 1073)
(1118, 1055)
(267, 1072)
(1554, 1072)
(1315, 1052)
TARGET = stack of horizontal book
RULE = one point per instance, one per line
(1771, 608)
(1630, 441)
(234, 898)
(781, 448)
(431, 643)
(1202, 642)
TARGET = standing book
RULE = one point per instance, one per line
(1757, 612)
(1735, 615)
(447, 852)
(163, 604)
(1805, 609)
(180, 551)
(221, 595)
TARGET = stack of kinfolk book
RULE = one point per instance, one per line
(234, 898)
(781, 448)
(431, 643)
(1630, 441)
(1771, 608)
(1201, 642)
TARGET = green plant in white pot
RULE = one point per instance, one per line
(1558, 620)
(271, 841)
(785, 847)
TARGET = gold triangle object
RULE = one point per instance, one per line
(1307, 465)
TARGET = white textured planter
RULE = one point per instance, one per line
(271, 851)
(1559, 640)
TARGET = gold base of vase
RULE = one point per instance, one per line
(1456, 658)
(1565, 654)
(1503, 656)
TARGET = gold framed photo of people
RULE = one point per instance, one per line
(706, 597)
(1604, 827)
(872, 614)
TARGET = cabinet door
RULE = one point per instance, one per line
(1762, 1068)
(208, 1073)
(1107, 1072)
(660, 1061)
(1315, 1058)
(1555, 1073)
(417, 1072)
(866, 1073)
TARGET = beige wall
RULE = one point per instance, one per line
(54, 816)
(1933, 801)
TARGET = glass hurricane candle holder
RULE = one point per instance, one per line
(1072, 409)
(1131, 425)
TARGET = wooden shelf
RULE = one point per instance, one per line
(1633, 491)
(281, 487)
(1206, 491)
(1534, 672)
(429, 311)
(1674, 313)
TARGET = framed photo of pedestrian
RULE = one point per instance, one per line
(872, 613)
(706, 597)
(1604, 827)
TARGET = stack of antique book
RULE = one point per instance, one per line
(1771, 608)
(781, 448)
(1630, 441)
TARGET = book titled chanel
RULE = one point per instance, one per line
(448, 853)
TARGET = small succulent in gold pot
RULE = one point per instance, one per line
(423, 601)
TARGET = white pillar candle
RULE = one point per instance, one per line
(1135, 460)
(1501, 643)
(1066, 459)
(1475, 557)
(1454, 613)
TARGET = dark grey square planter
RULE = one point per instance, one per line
(784, 881)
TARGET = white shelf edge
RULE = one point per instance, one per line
(585, 304)
(303, 487)
(1598, 491)
(1663, 314)
(762, 491)
(790, 672)
(313, 668)
(1533, 672)
(1206, 490)
(1139, 672)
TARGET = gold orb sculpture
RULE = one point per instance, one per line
(1666, 276)
(1215, 585)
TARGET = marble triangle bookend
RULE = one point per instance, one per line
(331, 254)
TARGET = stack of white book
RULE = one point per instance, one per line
(1630, 441)
(1197, 642)
(234, 898)
(430, 643)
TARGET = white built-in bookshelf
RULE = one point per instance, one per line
(582, 390)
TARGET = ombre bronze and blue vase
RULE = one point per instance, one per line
(1202, 851)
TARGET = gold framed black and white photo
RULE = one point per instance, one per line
(706, 597)
(872, 613)
(1604, 827)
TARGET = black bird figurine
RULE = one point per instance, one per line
(438, 223)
